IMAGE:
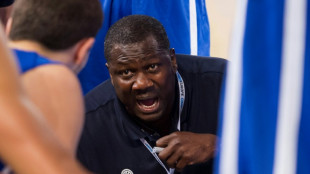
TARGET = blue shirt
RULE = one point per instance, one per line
(28, 60)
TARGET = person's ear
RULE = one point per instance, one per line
(108, 66)
(8, 26)
(173, 60)
(81, 54)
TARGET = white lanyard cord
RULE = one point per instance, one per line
(147, 145)
(181, 97)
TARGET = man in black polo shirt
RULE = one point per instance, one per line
(154, 98)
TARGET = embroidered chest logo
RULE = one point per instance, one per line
(126, 171)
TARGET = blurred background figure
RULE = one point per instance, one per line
(266, 114)
(4, 15)
(186, 23)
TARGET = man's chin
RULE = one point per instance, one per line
(149, 117)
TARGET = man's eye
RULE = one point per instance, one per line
(126, 73)
(153, 67)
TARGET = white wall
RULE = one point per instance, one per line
(221, 16)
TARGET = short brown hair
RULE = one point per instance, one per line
(56, 24)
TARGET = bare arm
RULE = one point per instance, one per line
(27, 145)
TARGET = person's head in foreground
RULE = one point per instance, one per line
(58, 26)
(142, 66)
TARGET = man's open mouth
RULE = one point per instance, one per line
(148, 105)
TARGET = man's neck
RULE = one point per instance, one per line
(63, 56)
(161, 126)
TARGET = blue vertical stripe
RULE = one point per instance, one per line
(173, 15)
(203, 29)
(261, 66)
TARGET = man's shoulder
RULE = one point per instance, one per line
(51, 88)
(52, 73)
(101, 95)
(200, 64)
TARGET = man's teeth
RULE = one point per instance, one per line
(149, 106)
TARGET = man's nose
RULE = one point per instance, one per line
(142, 82)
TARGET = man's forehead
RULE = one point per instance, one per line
(149, 41)
(146, 56)
(136, 50)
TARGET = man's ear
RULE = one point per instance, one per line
(173, 60)
(107, 65)
(82, 50)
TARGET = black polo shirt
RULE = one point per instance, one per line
(110, 142)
